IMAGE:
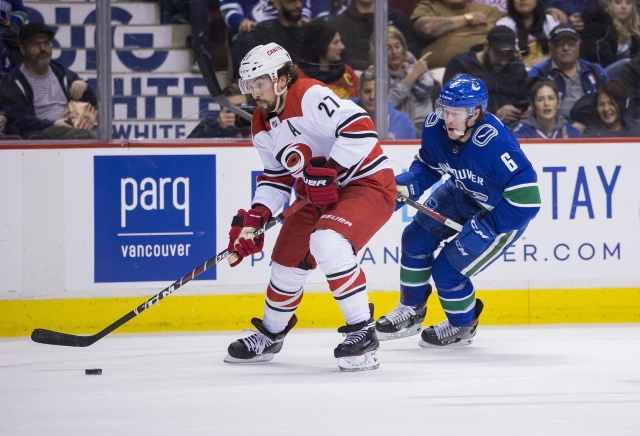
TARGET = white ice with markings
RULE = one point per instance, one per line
(514, 380)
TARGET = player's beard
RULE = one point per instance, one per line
(267, 106)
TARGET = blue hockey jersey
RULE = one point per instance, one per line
(489, 167)
(234, 11)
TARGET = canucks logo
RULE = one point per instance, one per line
(431, 119)
(484, 134)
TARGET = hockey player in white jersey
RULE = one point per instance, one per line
(328, 148)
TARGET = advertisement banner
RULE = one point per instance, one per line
(586, 235)
(155, 216)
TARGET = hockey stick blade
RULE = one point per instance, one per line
(43, 336)
(49, 337)
(432, 213)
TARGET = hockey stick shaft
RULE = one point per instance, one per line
(50, 337)
(199, 17)
(432, 213)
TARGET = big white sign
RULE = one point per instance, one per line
(587, 234)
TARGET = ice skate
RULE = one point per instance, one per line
(445, 335)
(358, 352)
(260, 346)
(401, 322)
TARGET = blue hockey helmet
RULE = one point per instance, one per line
(464, 91)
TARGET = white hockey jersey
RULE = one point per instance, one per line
(314, 122)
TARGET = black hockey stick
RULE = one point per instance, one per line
(432, 213)
(50, 337)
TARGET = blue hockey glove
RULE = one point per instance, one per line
(476, 235)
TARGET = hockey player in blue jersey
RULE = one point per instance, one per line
(492, 190)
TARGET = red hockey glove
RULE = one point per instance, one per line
(320, 182)
(246, 244)
(234, 233)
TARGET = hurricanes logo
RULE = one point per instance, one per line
(293, 156)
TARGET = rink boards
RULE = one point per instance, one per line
(89, 231)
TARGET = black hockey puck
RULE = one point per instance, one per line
(96, 371)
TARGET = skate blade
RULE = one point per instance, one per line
(367, 361)
(462, 343)
(257, 359)
(409, 331)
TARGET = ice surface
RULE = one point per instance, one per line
(514, 380)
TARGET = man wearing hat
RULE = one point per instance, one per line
(38, 91)
(573, 76)
(503, 73)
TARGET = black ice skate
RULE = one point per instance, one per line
(358, 351)
(260, 346)
(445, 335)
(401, 322)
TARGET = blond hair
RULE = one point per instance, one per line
(392, 33)
(624, 30)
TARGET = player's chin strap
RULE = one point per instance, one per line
(467, 127)
(463, 134)
(278, 94)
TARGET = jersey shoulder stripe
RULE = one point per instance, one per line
(525, 195)
(296, 92)
(350, 120)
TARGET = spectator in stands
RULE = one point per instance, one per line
(39, 90)
(630, 79)
(573, 77)
(572, 9)
(502, 72)
(611, 104)
(532, 25)
(545, 121)
(611, 34)
(411, 84)
(322, 59)
(227, 124)
(12, 16)
(242, 16)
(452, 27)
(355, 25)
(400, 126)
(285, 30)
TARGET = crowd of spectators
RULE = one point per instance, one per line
(543, 62)
(553, 68)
